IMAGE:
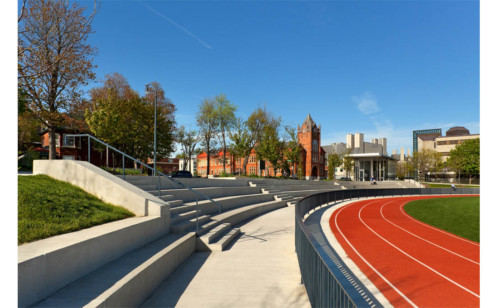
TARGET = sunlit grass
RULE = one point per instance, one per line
(48, 207)
(458, 215)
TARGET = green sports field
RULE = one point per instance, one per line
(459, 215)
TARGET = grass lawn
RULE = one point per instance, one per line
(47, 207)
(460, 215)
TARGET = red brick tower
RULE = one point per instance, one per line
(309, 136)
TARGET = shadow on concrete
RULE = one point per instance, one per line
(170, 291)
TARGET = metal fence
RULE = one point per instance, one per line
(328, 281)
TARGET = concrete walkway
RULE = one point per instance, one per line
(259, 269)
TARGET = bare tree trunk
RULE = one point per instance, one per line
(51, 149)
(245, 162)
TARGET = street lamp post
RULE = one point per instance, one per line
(147, 87)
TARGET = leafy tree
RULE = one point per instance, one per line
(257, 123)
(206, 122)
(334, 161)
(241, 138)
(348, 163)
(427, 162)
(120, 117)
(225, 114)
(270, 147)
(54, 59)
(292, 150)
(465, 158)
(188, 141)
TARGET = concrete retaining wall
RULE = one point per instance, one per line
(47, 265)
(102, 184)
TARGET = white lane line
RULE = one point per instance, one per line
(371, 266)
(408, 255)
(450, 251)
(440, 230)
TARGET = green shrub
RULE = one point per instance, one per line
(26, 163)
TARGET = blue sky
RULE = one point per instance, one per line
(383, 68)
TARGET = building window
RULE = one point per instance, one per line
(68, 141)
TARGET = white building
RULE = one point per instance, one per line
(370, 158)
(192, 166)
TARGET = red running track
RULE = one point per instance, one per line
(410, 262)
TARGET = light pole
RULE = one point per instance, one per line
(147, 89)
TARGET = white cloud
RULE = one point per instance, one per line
(366, 103)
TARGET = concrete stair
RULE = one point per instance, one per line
(189, 224)
(129, 280)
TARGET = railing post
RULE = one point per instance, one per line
(196, 206)
(159, 186)
(124, 174)
(89, 160)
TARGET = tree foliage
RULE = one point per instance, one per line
(54, 59)
(427, 162)
(465, 158)
(348, 163)
(241, 141)
(188, 140)
(292, 149)
(270, 148)
(120, 117)
(257, 122)
(226, 119)
(206, 122)
(334, 161)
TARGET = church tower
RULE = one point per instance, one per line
(309, 136)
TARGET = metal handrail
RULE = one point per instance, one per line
(323, 274)
(145, 165)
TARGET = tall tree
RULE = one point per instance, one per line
(188, 140)
(241, 138)
(120, 117)
(348, 163)
(54, 59)
(334, 161)
(292, 149)
(206, 122)
(427, 161)
(225, 114)
(465, 157)
(270, 147)
(256, 123)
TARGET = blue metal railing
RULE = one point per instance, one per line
(328, 281)
(154, 171)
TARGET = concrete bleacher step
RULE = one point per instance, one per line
(283, 197)
(183, 216)
(270, 190)
(206, 227)
(129, 280)
(190, 224)
(214, 233)
(181, 209)
(225, 240)
(175, 203)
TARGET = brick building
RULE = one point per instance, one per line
(311, 166)
(313, 160)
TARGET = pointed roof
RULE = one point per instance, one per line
(309, 122)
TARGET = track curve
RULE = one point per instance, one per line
(411, 263)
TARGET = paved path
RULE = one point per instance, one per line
(259, 270)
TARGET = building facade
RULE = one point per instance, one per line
(370, 159)
(311, 166)
(309, 137)
(443, 144)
